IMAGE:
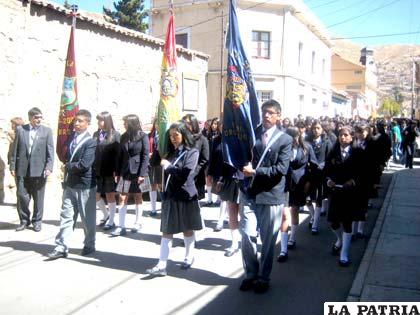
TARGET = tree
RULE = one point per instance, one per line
(390, 107)
(128, 13)
(67, 5)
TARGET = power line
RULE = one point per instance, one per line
(373, 36)
(344, 8)
(363, 14)
(323, 4)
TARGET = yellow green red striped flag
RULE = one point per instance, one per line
(168, 110)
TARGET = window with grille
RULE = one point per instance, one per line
(261, 44)
(264, 96)
(182, 39)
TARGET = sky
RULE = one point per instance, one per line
(347, 18)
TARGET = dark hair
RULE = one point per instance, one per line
(300, 124)
(108, 124)
(187, 137)
(294, 132)
(33, 112)
(272, 103)
(85, 113)
(192, 121)
(217, 121)
(134, 131)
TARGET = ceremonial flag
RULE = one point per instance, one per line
(168, 111)
(241, 113)
(69, 104)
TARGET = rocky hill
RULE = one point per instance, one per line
(394, 66)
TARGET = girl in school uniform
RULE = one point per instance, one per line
(180, 208)
(302, 163)
(342, 169)
(107, 157)
(132, 171)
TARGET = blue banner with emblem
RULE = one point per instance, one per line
(241, 113)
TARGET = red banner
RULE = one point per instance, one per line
(69, 105)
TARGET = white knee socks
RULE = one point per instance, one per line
(324, 205)
(189, 248)
(123, 211)
(354, 227)
(236, 237)
(317, 214)
(293, 230)
(209, 196)
(101, 206)
(284, 237)
(311, 211)
(153, 198)
(361, 226)
(338, 235)
(222, 213)
(344, 255)
(112, 209)
(139, 214)
(165, 245)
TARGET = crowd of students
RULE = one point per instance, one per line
(334, 168)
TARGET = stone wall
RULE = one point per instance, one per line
(118, 70)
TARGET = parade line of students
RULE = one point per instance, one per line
(331, 166)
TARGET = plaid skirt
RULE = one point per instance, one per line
(127, 186)
(180, 216)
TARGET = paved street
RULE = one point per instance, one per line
(113, 279)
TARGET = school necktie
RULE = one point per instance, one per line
(265, 138)
(73, 145)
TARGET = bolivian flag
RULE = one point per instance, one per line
(168, 111)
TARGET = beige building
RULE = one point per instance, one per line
(359, 81)
(288, 48)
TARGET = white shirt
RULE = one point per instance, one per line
(268, 134)
(345, 151)
(32, 136)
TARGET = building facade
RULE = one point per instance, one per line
(288, 48)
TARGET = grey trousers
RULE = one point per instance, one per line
(75, 202)
(266, 218)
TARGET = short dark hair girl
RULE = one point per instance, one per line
(134, 130)
(187, 137)
(108, 124)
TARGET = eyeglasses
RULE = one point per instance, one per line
(37, 117)
(269, 112)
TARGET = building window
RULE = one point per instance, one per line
(301, 104)
(323, 67)
(313, 63)
(314, 101)
(358, 72)
(264, 96)
(300, 54)
(182, 39)
(353, 87)
(260, 44)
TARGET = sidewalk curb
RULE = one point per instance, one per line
(359, 280)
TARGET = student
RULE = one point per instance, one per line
(79, 189)
(342, 169)
(106, 163)
(132, 171)
(180, 208)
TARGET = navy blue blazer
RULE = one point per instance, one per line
(269, 181)
(134, 161)
(79, 170)
(181, 185)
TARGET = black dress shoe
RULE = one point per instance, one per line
(261, 286)
(360, 235)
(187, 265)
(87, 250)
(37, 227)
(247, 284)
(231, 251)
(282, 257)
(335, 250)
(108, 227)
(344, 263)
(314, 231)
(103, 221)
(291, 244)
(55, 254)
(21, 227)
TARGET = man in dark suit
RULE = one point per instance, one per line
(31, 163)
(262, 199)
(79, 194)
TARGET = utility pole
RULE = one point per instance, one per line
(413, 83)
(222, 57)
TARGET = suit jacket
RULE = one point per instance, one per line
(41, 158)
(268, 184)
(134, 160)
(299, 167)
(79, 169)
(181, 186)
(202, 145)
(107, 156)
